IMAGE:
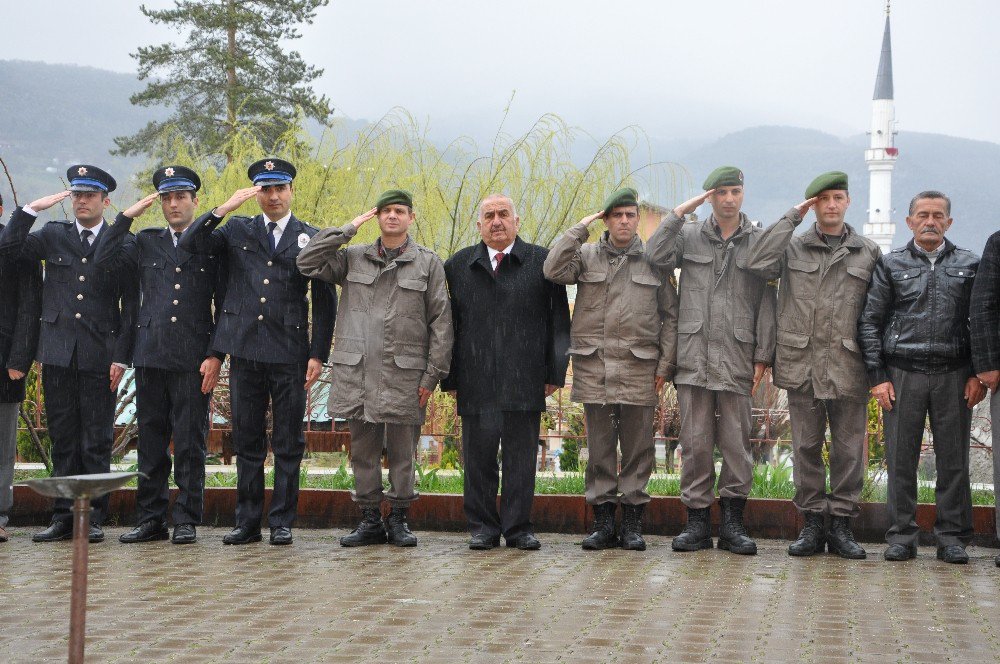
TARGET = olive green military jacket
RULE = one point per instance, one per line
(820, 297)
(624, 328)
(726, 321)
(394, 331)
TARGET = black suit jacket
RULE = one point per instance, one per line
(87, 310)
(265, 314)
(20, 308)
(511, 331)
(177, 291)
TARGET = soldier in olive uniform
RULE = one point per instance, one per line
(824, 276)
(623, 346)
(176, 368)
(393, 345)
(86, 337)
(725, 343)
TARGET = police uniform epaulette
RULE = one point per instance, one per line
(309, 226)
(150, 230)
(62, 221)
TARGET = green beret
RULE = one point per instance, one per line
(394, 197)
(831, 180)
(724, 176)
(621, 198)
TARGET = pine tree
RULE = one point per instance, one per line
(230, 76)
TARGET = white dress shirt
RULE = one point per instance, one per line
(493, 255)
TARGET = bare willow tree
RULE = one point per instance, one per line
(231, 74)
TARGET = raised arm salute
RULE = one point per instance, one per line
(265, 329)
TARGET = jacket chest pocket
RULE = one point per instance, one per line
(856, 282)
(152, 268)
(359, 290)
(907, 284)
(697, 272)
(802, 278)
(410, 298)
(591, 290)
(960, 282)
(59, 267)
(643, 297)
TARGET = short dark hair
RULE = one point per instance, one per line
(1, 200)
(930, 193)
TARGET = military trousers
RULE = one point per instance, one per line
(940, 397)
(514, 435)
(995, 417)
(610, 426)
(170, 405)
(80, 410)
(8, 452)
(252, 385)
(712, 418)
(399, 441)
(848, 422)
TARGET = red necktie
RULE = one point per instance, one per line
(499, 257)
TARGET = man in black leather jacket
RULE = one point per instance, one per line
(914, 334)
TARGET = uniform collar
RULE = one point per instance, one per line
(96, 230)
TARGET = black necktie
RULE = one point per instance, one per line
(85, 239)
(271, 225)
(177, 237)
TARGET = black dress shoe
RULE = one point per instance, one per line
(525, 542)
(96, 534)
(954, 554)
(184, 533)
(281, 535)
(242, 535)
(58, 530)
(483, 542)
(147, 531)
(899, 552)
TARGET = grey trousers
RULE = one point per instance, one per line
(609, 426)
(941, 397)
(400, 443)
(995, 417)
(8, 451)
(710, 418)
(848, 422)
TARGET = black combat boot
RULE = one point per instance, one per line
(369, 531)
(397, 530)
(732, 534)
(697, 534)
(604, 535)
(632, 528)
(840, 539)
(812, 539)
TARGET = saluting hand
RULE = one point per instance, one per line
(45, 202)
(690, 205)
(313, 370)
(424, 394)
(362, 218)
(236, 200)
(884, 394)
(140, 207)
(210, 374)
(805, 205)
(759, 371)
(586, 221)
(116, 375)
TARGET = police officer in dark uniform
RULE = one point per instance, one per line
(87, 333)
(264, 328)
(176, 368)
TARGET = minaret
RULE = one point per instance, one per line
(881, 154)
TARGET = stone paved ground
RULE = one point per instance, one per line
(315, 601)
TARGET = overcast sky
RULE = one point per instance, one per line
(695, 69)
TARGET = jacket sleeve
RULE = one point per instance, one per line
(666, 244)
(129, 294)
(871, 324)
(324, 315)
(984, 309)
(12, 237)
(24, 341)
(556, 357)
(204, 236)
(564, 263)
(118, 248)
(324, 258)
(450, 382)
(767, 326)
(766, 257)
(218, 299)
(440, 332)
(668, 306)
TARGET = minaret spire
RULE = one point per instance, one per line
(882, 153)
(883, 80)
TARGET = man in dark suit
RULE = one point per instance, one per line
(511, 338)
(264, 328)
(176, 370)
(20, 308)
(87, 333)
